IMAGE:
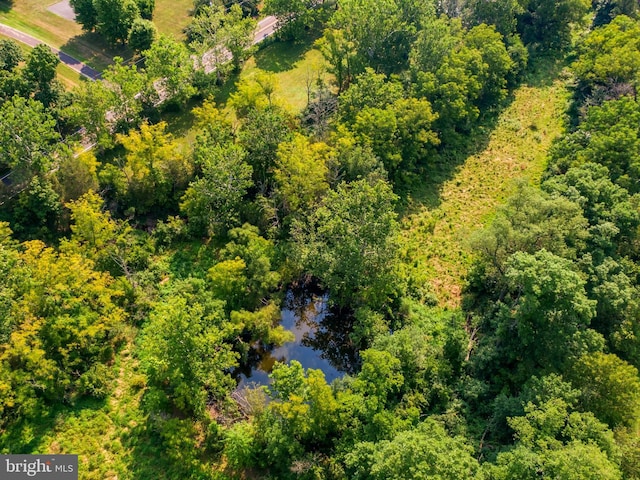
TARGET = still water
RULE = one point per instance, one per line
(321, 341)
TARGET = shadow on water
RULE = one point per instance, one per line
(321, 341)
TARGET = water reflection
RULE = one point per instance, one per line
(321, 341)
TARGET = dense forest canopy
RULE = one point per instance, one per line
(143, 270)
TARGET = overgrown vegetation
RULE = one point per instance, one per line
(462, 185)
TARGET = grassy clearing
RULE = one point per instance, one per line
(295, 66)
(443, 212)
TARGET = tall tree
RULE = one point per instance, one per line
(170, 68)
(155, 170)
(142, 34)
(64, 325)
(114, 19)
(349, 243)
(28, 138)
(10, 55)
(184, 353)
(300, 174)
(546, 24)
(212, 202)
(40, 72)
(86, 13)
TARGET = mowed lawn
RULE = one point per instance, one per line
(32, 17)
(437, 229)
(172, 16)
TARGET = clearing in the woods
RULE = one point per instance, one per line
(461, 196)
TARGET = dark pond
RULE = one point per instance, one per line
(321, 341)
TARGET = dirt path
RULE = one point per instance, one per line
(75, 64)
(436, 239)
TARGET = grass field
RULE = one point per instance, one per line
(460, 197)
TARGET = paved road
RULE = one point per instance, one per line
(266, 27)
(67, 59)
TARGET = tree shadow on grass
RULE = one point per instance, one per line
(544, 71)
(281, 56)
(425, 189)
(91, 48)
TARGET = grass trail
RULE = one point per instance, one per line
(438, 225)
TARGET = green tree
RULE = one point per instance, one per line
(28, 138)
(400, 135)
(503, 15)
(260, 134)
(90, 103)
(86, 13)
(142, 34)
(10, 55)
(369, 90)
(610, 388)
(257, 255)
(64, 325)
(300, 173)
(495, 57)
(339, 53)
(302, 414)
(125, 84)
(114, 19)
(381, 32)
(212, 202)
(530, 221)
(426, 452)
(609, 58)
(76, 176)
(40, 72)
(547, 23)
(185, 354)
(541, 319)
(154, 172)
(170, 67)
(349, 243)
(97, 236)
(238, 35)
(557, 444)
(610, 136)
